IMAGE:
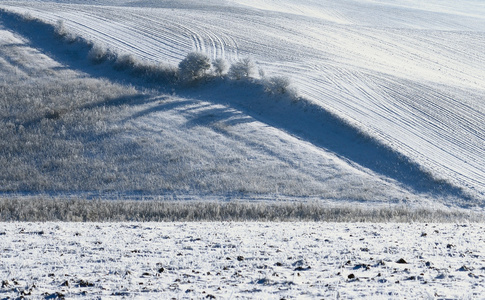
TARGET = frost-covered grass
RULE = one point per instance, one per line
(49, 129)
(241, 260)
(84, 135)
(40, 209)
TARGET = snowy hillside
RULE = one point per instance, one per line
(410, 75)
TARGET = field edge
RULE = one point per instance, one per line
(97, 210)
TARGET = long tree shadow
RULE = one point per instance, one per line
(304, 120)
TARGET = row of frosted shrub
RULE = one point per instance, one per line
(80, 210)
(196, 67)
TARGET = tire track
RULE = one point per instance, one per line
(429, 124)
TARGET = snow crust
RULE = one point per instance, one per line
(241, 260)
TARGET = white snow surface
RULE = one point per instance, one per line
(409, 73)
(241, 261)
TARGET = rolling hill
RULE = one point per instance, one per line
(391, 103)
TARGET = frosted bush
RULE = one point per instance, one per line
(61, 30)
(99, 54)
(244, 68)
(153, 72)
(194, 66)
(160, 73)
(125, 61)
(220, 66)
(279, 85)
(28, 17)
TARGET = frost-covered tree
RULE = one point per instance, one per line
(60, 28)
(242, 69)
(194, 66)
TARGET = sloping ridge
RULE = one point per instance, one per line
(302, 119)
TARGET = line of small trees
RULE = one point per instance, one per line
(197, 66)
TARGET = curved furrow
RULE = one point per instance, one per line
(439, 124)
(430, 128)
(167, 37)
(108, 38)
(112, 32)
(161, 40)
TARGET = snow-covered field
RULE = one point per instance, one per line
(241, 261)
(390, 115)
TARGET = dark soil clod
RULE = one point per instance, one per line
(84, 283)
